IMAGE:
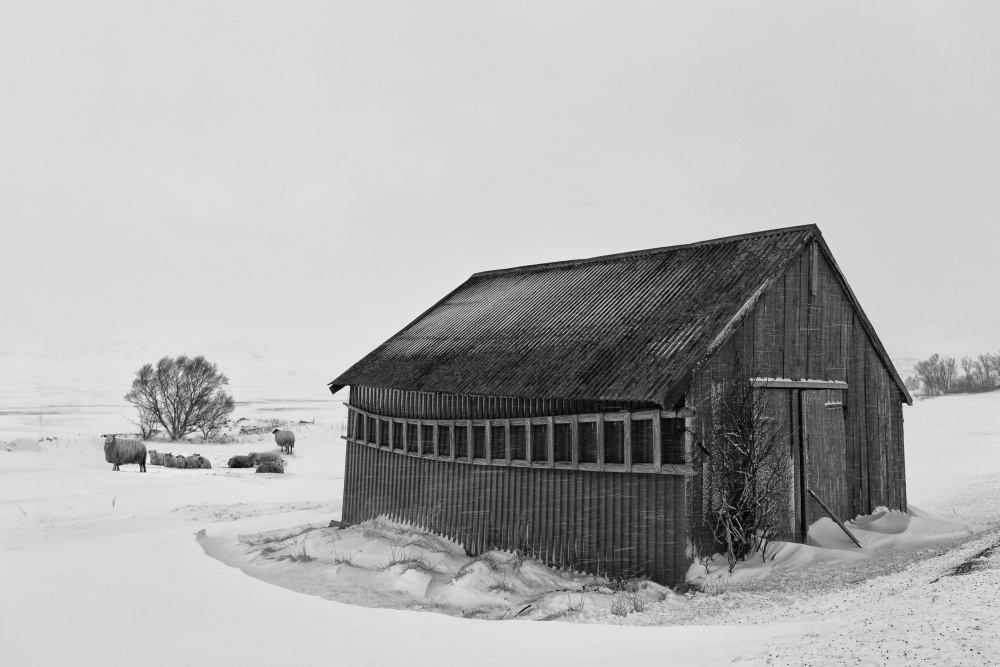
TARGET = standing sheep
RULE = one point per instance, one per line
(121, 452)
(285, 440)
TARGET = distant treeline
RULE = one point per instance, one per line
(939, 375)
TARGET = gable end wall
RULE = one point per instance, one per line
(793, 333)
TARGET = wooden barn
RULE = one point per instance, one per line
(557, 408)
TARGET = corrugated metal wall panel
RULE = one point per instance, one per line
(616, 523)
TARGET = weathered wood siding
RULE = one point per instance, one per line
(804, 327)
(437, 405)
(618, 523)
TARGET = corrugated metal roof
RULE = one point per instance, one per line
(621, 327)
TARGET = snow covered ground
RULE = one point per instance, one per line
(98, 567)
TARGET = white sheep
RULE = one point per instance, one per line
(271, 466)
(120, 452)
(263, 457)
(285, 440)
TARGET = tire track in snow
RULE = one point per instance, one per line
(979, 561)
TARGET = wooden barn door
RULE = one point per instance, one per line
(824, 454)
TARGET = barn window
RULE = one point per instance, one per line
(642, 441)
(614, 442)
(498, 442)
(479, 442)
(397, 436)
(383, 437)
(672, 440)
(588, 442)
(461, 441)
(426, 439)
(563, 443)
(411, 438)
(518, 442)
(444, 441)
(540, 442)
(370, 430)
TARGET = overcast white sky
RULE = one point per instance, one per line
(313, 175)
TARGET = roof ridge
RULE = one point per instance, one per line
(650, 251)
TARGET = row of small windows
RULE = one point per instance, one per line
(431, 441)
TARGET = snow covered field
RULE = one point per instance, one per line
(98, 567)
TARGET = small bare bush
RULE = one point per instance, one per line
(487, 558)
(501, 586)
(626, 603)
(748, 469)
(299, 556)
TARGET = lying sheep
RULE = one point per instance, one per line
(180, 461)
(240, 461)
(271, 466)
(265, 457)
(155, 458)
(202, 461)
(168, 460)
(121, 452)
(285, 440)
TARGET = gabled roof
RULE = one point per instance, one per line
(626, 327)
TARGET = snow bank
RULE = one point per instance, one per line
(882, 530)
(388, 564)
(888, 529)
(21, 445)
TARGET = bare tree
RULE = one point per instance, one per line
(147, 422)
(938, 374)
(184, 395)
(987, 372)
(994, 361)
(947, 374)
(748, 470)
(215, 415)
(969, 368)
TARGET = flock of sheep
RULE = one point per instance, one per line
(178, 460)
(266, 462)
(122, 451)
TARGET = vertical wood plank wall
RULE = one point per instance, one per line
(614, 523)
(798, 332)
